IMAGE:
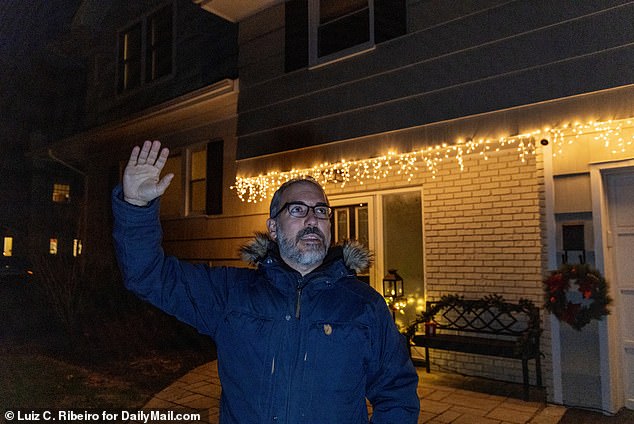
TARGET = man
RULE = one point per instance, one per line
(299, 338)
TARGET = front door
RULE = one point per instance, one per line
(620, 190)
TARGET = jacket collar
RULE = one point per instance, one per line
(355, 256)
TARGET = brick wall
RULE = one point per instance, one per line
(483, 235)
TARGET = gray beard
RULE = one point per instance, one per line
(313, 255)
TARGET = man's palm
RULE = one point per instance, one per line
(141, 177)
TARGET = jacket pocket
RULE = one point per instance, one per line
(245, 352)
(336, 362)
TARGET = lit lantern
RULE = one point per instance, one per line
(393, 285)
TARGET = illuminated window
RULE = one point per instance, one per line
(77, 246)
(8, 246)
(61, 193)
(52, 246)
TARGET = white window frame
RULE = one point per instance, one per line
(313, 38)
(185, 155)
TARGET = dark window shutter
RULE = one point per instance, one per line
(390, 19)
(215, 154)
(296, 35)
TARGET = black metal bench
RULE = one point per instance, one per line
(487, 326)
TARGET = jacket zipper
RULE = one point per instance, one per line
(298, 307)
(298, 301)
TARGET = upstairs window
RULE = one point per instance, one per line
(339, 28)
(159, 45)
(130, 58)
(151, 38)
(321, 31)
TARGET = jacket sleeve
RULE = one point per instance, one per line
(195, 294)
(393, 381)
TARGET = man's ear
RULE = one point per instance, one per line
(272, 226)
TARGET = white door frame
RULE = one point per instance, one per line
(612, 385)
(374, 199)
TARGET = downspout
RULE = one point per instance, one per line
(551, 227)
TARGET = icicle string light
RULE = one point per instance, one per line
(408, 165)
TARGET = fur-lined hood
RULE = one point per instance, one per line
(355, 255)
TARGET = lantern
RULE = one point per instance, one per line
(393, 285)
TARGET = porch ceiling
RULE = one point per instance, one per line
(235, 10)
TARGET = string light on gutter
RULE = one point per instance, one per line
(408, 165)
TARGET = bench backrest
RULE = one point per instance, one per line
(484, 316)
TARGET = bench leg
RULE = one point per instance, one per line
(427, 360)
(525, 377)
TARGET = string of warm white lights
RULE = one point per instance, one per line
(609, 133)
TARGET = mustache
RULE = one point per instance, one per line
(310, 230)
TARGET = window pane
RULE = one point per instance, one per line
(77, 247)
(52, 246)
(132, 43)
(343, 33)
(172, 199)
(198, 189)
(199, 165)
(197, 178)
(130, 58)
(333, 9)
(362, 226)
(162, 61)
(131, 74)
(341, 224)
(403, 243)
(159, 44)
(8, 246)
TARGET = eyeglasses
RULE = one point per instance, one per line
(300, 210)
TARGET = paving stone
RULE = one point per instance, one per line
(443, 401)
(511, 415)
(474, 419)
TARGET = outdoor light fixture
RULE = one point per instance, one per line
(393, 285)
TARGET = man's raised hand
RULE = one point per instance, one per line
(141, 177)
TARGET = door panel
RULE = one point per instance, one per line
(621, 243)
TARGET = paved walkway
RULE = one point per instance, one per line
(445, 398)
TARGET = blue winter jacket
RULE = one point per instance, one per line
(291, 349)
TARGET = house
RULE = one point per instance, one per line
(473, 147)
(154, 70)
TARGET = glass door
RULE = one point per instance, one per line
(351, 220)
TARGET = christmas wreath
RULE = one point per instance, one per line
(577, 294)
